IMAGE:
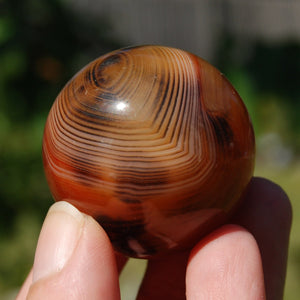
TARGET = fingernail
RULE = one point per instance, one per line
(58, 238)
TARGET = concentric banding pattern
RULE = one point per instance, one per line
(148, 129)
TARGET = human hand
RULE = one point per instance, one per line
(75, 260)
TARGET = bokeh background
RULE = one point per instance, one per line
(256, 44)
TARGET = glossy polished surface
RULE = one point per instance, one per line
(154, 143)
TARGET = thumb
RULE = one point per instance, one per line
(74, 258)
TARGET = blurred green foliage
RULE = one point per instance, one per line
(42, 44)
(268, 79)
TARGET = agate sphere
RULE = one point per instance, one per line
(154, 143)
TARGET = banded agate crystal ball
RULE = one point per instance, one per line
(154, 143)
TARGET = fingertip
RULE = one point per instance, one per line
(219, 235)
(88, 270)
(58, 239)
(226, 264)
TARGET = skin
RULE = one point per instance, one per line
(245, 259)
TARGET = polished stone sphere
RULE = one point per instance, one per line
(154, 143)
